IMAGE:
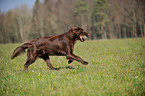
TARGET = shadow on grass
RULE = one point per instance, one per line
(67, 67)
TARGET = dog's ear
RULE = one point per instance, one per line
(75, 29)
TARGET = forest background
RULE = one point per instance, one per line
(103, 19)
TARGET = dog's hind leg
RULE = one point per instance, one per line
(28, 62)
(30, 59)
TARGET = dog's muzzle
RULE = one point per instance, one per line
(83, 38)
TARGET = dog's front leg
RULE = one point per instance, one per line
(70, 61)
(50, 66)
(77, 58)
(46, 58)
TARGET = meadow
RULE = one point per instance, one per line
(116, 68)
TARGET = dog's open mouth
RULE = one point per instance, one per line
(83, 38)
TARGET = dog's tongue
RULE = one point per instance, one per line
(81, 37)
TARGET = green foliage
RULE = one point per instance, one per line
(100, 15)
(81, 13)
(81, 6)
(100, 5)
(116, 68)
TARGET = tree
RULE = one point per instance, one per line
(103, 19)
(23, 22)
(81, 11)
(100, 18)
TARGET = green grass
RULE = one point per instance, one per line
(116, 68)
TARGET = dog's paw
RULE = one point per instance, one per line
(70, 61)
(85, 63)
(56, 68)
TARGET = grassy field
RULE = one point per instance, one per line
(116, 68)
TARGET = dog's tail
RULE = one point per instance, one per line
(19, 50)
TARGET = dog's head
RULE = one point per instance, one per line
(80, 34)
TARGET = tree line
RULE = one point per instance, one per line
(103, 19)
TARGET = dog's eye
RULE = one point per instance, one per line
(78, 29)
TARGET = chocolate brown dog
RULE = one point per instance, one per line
(58, 45)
